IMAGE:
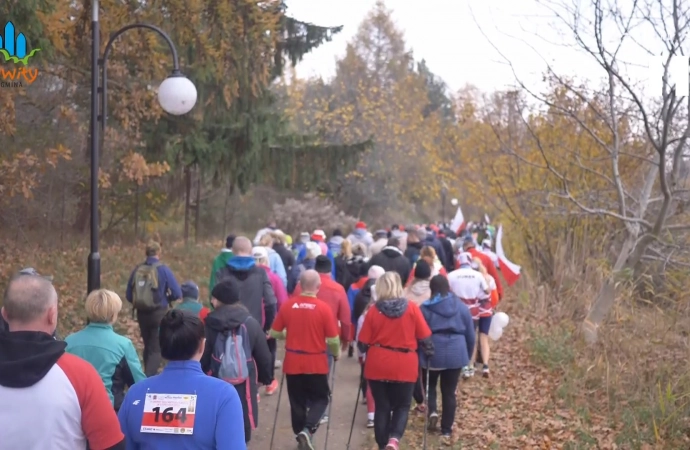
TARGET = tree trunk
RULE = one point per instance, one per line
(197, 212)
(136, 213)
(187, 201)
(225, 212)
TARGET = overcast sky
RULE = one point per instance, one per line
(457, 39)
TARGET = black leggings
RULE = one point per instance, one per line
(390, 398)
(272, 347)
(449, 382)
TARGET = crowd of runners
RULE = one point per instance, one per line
(413, 304)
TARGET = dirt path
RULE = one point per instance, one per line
(345, 390)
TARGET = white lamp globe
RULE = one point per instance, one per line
(454, 202)
(177, 95)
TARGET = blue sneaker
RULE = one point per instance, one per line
(304, 441)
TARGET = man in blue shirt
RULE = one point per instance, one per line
(151, 288)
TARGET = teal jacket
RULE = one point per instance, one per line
(113, 356)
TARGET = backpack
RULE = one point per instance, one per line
(145, 283)
(232, 356)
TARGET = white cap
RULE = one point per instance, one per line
(375, 272)
(465, 258)
(260, 253)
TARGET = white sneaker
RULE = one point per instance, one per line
(278, 364)
(324, 420)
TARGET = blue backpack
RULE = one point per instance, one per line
(232, 356)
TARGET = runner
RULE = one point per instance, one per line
(231, 320)
(486, 305)
(453, 337)
(469, 286)
(366, 294)
(390, 337)
(182, 408)
(310, 330)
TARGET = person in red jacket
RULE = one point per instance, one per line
(392, 330)
(310, 331)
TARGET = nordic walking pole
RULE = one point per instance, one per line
(426, 402)
(280, 393)
(354, 415)
(330, 405)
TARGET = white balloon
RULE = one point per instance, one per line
(495, 333)
(501, 319)
(495, 327)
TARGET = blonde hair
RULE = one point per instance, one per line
(388, 286)
(428, 254)
(266, 240)
(103, 306)
(346, 249)
(359, 249)
(278, 237)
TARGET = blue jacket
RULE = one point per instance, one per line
(351, 295)
(113, 356)
(275, 263)
(452, 332)
(166, 282)
(303, 253)
(218, 421)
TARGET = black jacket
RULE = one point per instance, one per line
(413, 251)
(228, 318)
(392, 259)
(448, 262)
(286, 255)
(362, 299)
(256, 291)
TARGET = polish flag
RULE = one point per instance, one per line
(458, 223)
(510, 271)
(486, 218)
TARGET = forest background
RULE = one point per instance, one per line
(589, 180)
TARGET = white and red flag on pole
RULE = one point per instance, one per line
(510, 270)
(458, 223)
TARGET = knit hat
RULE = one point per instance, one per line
(361, 226)
(313, 250)
(422, 270)
(190, 291)
(318, 235)
(337, 232)
(229, 240)
(226, 292)
(323, 264)
(468, 242)
(381, 233)
(260, 252)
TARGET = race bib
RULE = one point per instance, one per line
(169, 414)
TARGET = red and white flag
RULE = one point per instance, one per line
(486, 218)
(458, 223)
(510, 271)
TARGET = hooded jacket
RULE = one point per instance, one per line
(279, 288)
(223, 320)
(392, 259)
(218, 263)
(391, 334)
(256, 292)
(418, 291)
(349, 270)
(449, 261)
(362, 299)
(334, 245)
(452, 331)
(113, 356)
(38, 377)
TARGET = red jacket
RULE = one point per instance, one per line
(333, 294)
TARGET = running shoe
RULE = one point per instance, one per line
(272, 388)
(433, 420)
(393, 444)
(304, 441)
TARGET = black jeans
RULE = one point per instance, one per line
(149, 324)
(273, 347)
(392, 407)
(312, 389)
(449, 382)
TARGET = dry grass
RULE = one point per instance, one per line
(636, 379)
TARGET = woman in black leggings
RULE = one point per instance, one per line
(453, 337)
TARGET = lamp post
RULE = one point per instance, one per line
(177, 95)
(444, 193)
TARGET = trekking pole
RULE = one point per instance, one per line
(275, 419)
(426, 402)
(354, 415)
(330, 406)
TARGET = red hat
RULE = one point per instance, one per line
(361, 226)
(402, 228)
(318, 235)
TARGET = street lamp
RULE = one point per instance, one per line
(444, 193)
(176, 95)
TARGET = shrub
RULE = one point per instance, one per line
(312, 212)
